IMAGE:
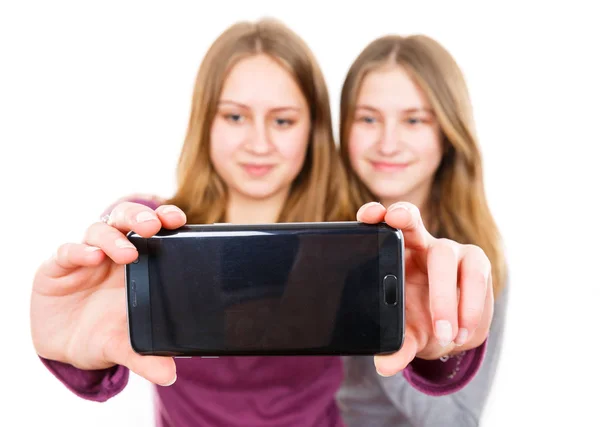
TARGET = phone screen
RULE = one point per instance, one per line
(254, 291)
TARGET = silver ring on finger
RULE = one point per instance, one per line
(105, 219)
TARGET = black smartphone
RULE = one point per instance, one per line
(328, 288)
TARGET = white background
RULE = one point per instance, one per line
(94, 103)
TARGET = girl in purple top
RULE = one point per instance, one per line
(259, 149)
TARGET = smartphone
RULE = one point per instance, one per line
(327, 288)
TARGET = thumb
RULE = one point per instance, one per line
(406, 217)
(390, 364)
(156, 369)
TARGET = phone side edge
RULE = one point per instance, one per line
(401, 287)
(391, 243)
(139, 315)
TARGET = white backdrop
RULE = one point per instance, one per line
(94, 102)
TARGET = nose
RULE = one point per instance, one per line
(259, 142)
(390, 139)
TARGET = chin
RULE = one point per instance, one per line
(390, 191)
(259, 192)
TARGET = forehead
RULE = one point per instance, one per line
(391, 88)
(262, 82)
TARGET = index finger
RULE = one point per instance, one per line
(128, 216)
(406, 217)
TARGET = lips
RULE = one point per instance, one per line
(257, 170)
(383, 166)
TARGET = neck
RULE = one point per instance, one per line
(245, 210)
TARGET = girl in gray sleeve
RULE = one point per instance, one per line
(407, 134)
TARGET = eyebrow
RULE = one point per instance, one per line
(406, 110)
(239, 104)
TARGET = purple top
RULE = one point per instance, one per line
(259, 391)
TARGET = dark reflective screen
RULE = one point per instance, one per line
(257, 290)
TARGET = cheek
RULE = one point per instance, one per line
(429, 149)
(359, 143)
(291, 146)
(224, 142)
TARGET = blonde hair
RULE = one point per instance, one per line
(457, 208)
(319, 191)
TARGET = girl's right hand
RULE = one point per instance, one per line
(78, 301)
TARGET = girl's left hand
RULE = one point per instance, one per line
(448, 290)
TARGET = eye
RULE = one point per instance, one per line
(367, 119)
(280, 122)
(414, 121)
(235, 118)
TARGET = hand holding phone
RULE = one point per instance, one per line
(438, 321)
(78, 302)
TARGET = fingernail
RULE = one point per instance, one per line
(383, 375)
(170, 383)
(443, 332)
(145, 216)
(171, 209)
(367, 206)
(124, 244)
(398, 205)
(461, 338)
(377, 370)
(91, 248)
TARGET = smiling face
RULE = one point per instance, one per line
(261, 130)
(395, 143)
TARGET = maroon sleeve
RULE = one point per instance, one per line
(96, 385)
(447, 374)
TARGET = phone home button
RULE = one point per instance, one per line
(390, 289)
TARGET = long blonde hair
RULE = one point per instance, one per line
(319, 192)
(457, 207)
